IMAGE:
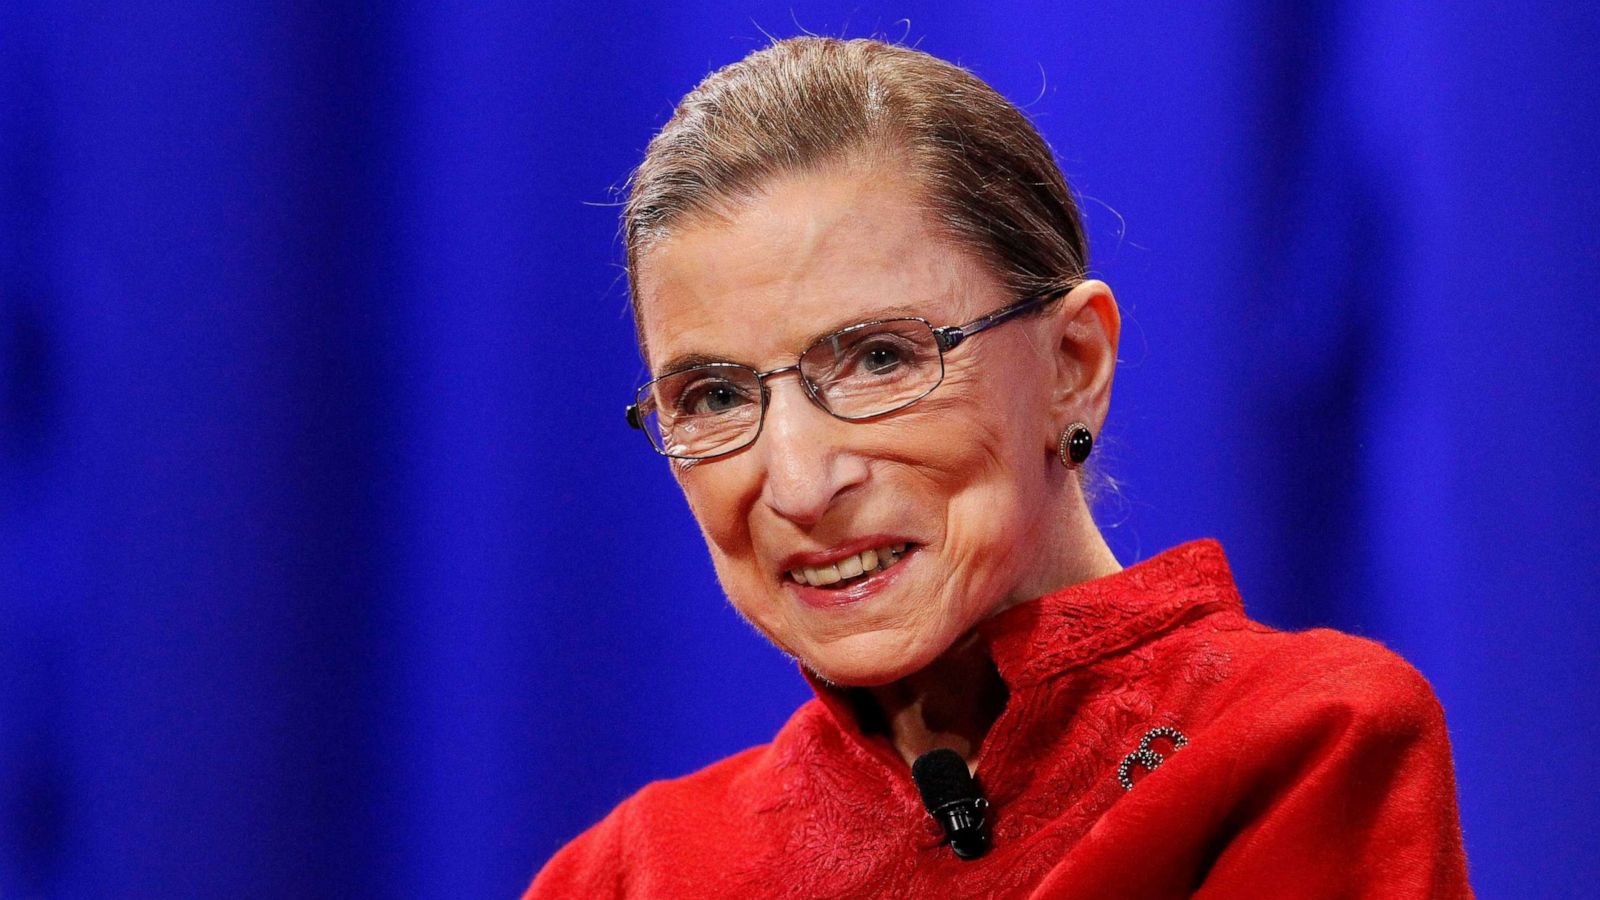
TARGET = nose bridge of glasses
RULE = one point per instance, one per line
(805, 384)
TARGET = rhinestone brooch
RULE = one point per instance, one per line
(1146, 757)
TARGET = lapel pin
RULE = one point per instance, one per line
(1146, 757)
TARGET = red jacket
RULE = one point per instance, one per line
(1316, 764)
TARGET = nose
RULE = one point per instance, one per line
(808, 464)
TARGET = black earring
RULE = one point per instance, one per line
(1076, 442)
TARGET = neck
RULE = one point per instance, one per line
(951, 703)
(954, 701)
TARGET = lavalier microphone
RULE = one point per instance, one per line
(953, 798)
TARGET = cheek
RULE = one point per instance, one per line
(714, 506)
(973, 430)
(981, 462)
(987, 509)
(720, 499)
(722, 510)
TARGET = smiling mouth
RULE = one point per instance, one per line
(844, 572)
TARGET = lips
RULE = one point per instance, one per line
(845, 569)
(844, 591)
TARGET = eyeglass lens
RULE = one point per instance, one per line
(858, 373)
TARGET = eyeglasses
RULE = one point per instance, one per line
(861, 372)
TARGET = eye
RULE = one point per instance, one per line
(876, 356)
(710, 397)
(882, 357)
(895, 355)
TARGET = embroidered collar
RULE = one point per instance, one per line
(1042, 638)
(1034, 641)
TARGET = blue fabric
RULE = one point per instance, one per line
(328, 567)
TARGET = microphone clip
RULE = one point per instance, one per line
(963, 822)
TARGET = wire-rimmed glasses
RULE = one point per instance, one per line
(864, 371)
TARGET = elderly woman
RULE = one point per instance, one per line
(878, 371)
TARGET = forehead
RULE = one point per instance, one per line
(810, 252)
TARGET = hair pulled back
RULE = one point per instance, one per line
(987, 176)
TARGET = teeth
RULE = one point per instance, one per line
(864, 563)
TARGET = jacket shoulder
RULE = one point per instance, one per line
(1333, 753)
(1334, 671)
(600, 861)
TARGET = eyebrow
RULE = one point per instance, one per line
(883, 312)
(690, 360)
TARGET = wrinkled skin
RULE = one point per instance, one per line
(968, 474)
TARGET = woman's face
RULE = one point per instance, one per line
(963, 481)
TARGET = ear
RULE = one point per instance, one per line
(1085, 330)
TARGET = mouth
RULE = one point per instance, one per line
(847, 571)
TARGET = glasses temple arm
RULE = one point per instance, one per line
(951, 336)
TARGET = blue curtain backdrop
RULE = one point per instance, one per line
(328, 567)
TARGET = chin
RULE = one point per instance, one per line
(870, 660)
